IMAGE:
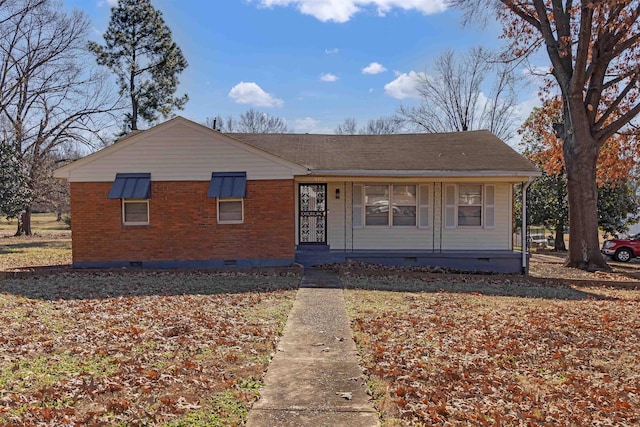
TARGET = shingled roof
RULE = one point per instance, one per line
(478, 151)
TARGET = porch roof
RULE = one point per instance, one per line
(473, 151)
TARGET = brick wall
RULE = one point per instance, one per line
(183, 224)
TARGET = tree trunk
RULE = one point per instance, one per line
(558, 243)
(26, 221)
(580, 160)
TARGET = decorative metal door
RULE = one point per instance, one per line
(313, 214)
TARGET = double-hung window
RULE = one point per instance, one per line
(469, 205)
(229, 188)
(135, 212)
(386, 205)
(134, 189)
(403, 203)
(230, 211)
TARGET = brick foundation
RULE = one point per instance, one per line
(183, 229)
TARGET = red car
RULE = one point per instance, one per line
(622, 249)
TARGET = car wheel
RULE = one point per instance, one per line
(623, 255)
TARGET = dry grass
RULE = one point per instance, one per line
(141, 348)
(481, 352)
(49, 246)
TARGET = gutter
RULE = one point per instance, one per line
(423, 173)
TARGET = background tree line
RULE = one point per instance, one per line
(55, 106)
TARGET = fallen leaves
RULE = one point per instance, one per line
(471, 359)
(135, 349)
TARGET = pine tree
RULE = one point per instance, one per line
(140, 51)
(15, 195)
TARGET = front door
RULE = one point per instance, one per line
(313, 214)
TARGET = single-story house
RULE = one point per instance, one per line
(183, 195)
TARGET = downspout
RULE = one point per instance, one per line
(525, 260)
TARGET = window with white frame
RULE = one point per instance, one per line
(135, 211)
(385, 205)
(469, 205)
(376, 198)
(230, 211)
(403, 203)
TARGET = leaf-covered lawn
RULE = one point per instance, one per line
(137, 349)
(450, 359)
(50, 245)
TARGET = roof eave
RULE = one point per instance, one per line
(427, 173)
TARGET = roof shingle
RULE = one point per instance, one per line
(456, 151)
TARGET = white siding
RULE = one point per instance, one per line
(180, 152)
(341, 234)
(476, 238)
(338, 219)
(393, 238)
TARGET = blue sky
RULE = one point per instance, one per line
(310, 62)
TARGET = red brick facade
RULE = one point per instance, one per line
(183, 224)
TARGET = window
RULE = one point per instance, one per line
(385, 205)
(376, 204)
(135, 212)
(230, 211)
(230, 188)
(404, 205)
(469, 205)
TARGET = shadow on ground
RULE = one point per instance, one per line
(498, 285)
(23, 246)
(97, 285)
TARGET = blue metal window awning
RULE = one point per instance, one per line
(228, 184)
(131, 186)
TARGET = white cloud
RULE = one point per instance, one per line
(306, 125)
(110, 3)
(374, 68)
(405, 85)
(342, 10)
(252, 94)
(333, 51)
(328, 77)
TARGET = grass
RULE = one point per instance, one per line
(50, 245)
(455, 356)
(142, 348)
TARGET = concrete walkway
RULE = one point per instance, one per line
(314, 378)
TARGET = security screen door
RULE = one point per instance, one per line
(313, 214)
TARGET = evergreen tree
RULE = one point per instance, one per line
(15, 195)
(139, 50)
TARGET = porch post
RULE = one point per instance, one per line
(525, 263)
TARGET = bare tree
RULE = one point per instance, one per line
(383, 126)
(348, 127)
(452, 98)
(48, 96)
(225, 125)
(380, 126)
(251, 121)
